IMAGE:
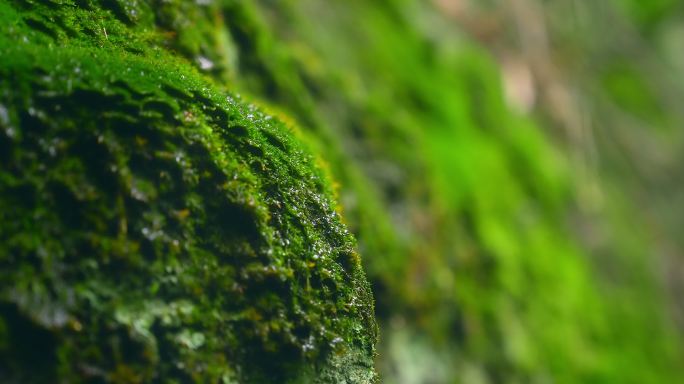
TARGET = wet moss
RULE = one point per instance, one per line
(459, 203)
(155, 228)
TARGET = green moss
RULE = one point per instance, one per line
(154, 228)
(460, 205)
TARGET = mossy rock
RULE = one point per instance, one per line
(154, 228)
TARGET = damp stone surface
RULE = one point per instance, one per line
(154, 227)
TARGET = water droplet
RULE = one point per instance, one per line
(10, 132)
(138, 194)
(204, 63)
(335, 341)
(5, 120)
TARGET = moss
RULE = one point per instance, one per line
(155, 228)
(460, 205)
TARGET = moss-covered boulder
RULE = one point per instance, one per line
(154, 228)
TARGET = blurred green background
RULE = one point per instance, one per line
(512, 171)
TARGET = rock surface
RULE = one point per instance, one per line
(155, 228)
